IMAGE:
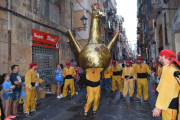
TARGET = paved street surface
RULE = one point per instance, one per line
(110, 108)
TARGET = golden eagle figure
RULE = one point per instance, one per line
(95, 54)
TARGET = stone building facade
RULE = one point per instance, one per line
(16, 44)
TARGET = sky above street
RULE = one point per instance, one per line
(128, 10)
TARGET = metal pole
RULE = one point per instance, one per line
(9, 35)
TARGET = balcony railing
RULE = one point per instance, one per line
(105, 3)
(156, 2)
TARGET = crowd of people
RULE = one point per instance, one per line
(120, 75)
(15, 86)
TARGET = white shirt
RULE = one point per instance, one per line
(37, 84)
(120, 65)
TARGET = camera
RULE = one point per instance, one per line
(176, 74)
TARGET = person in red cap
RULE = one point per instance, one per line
(68, 74)
(168, 88)
(93, 90)
(116, 69)
(30, 89)
(140, 70)
(128, 80)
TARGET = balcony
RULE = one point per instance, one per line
(156, 3)
(105, 3)
(110, 12)
(154, 6)
(142, 11)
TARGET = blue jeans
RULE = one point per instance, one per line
(106, 83)
(16, 95)
(7, 96)
(59, 82)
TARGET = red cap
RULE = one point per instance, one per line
(32, 65)
(113, 62)
(139, 59)
(94, 6)
(169, 54)
(128, 62)
(68, 63)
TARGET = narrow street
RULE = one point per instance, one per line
(109, 108)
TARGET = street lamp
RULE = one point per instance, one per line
(84, 22)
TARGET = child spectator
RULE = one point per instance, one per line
(23, 93)
(7, 95)
(59, 80)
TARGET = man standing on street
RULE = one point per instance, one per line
(68, 74)
(141, 70)
(128, 80)
(93, 89)
(116, 69)
(16, 80)
(168, 87)
(30, 89)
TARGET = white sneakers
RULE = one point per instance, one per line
(59, 96)
(76, 93)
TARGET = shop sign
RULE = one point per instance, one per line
(45, 40)
(176, 21)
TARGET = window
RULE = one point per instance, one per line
(49, 11)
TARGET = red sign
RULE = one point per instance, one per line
(45, 39)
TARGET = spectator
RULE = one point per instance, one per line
(59, 81)
(77, 76)
(72, 61)
(7, 95)
(120, 63)
(16, 80)
(23, 93)
(153, 69)
(2, 116)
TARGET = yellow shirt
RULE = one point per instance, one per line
(168, 87)
(138, 69)
(70, 71)
(107, 73)
(127, 71)
(93, 77)
(116, 68)
(31, 76)
(159, 72)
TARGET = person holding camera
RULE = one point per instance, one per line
(168, 88)
(59, 80)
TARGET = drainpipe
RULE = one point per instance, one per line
(9, 35)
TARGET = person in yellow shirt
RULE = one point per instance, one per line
(68, 74)
(116, 69)
(140, 70)
(30, 89)
(93, 89)
(168, 88)
(128, 80)
(107, 78)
